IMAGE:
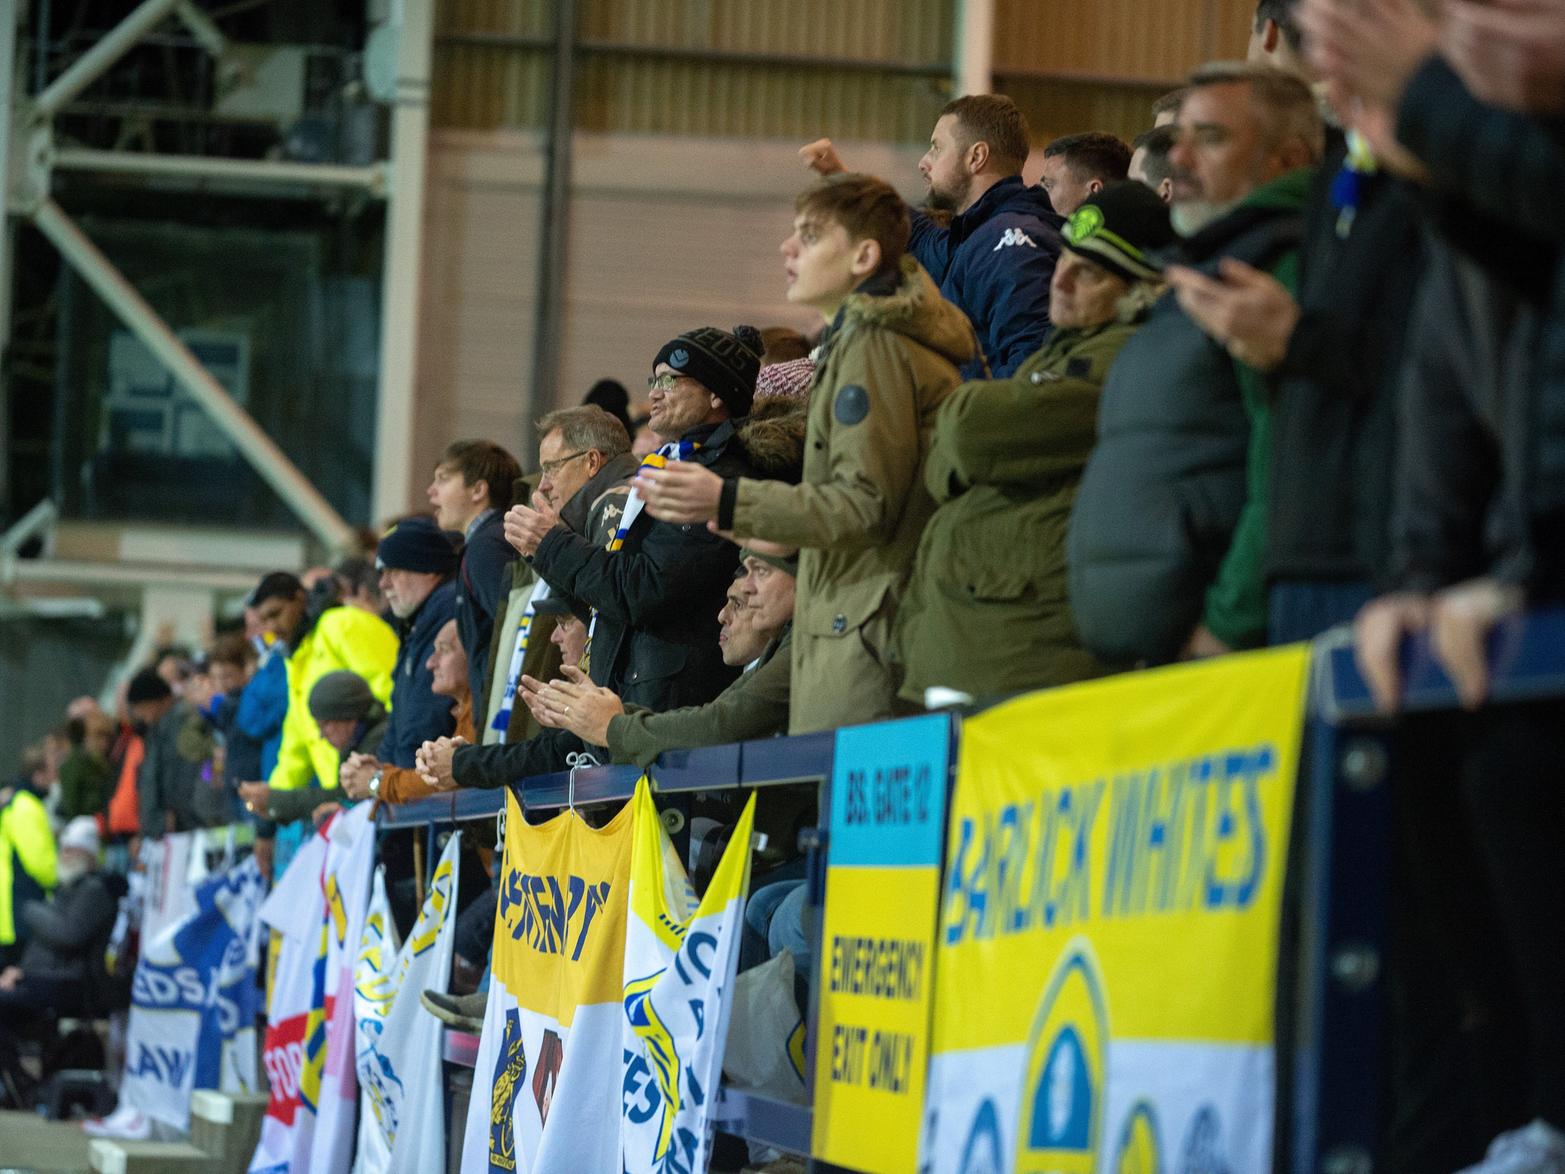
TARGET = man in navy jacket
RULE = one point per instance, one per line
(996, 258)
(470, 493)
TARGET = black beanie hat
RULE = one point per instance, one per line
(1118, 227)
(146, 686)
(341, 696)
(725, 364)
(416, 544)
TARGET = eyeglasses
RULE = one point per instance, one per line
(665, 382)
(550, 468)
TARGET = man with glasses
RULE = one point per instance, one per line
(584, 472)
(655, 588)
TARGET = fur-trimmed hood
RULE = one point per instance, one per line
(916, 310)
(772, 436)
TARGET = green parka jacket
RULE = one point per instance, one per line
(887, 363)
(987, 610)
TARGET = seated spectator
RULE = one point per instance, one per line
(756, 625)
(27, 851)
(1149, 161)
(986, 610)
(1077, 166)
(995, 258)
(63, 961)
(366, 777)
(470, 493)
(84, 775)
(350, 719)
(888, 359)
(1168, 531)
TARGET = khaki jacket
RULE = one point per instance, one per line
(987, 609)
(886, 365)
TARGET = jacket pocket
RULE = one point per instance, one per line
(840, 609)
(655, 660)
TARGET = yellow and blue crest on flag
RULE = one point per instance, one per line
(680, 958)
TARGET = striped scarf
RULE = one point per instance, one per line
(513, 674)
(675, 450)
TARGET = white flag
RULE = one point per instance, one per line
(350, 860)
(295, 1050)
(402, 1127)
(680, 960)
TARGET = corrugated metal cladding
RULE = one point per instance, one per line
(864, 69)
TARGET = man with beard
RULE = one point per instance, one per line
(1168, 534)
(995, 259)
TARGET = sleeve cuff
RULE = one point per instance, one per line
(727, 502)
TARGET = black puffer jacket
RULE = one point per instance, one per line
(1163, 489)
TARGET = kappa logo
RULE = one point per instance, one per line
(1014, 236)
(1067, 1069)
(1139, 1151)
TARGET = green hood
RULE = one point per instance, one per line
(918, 311)
(1289, 192)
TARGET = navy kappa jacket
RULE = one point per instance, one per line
(995, 263)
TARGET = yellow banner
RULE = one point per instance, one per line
(560, 919)
(1108, 935)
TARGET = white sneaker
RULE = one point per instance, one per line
(1535, 1148)
(124, 1124)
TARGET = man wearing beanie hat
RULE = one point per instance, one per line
(351, 720)
(889, 356)
(417, 562)
(1169, 531)
(167, 782)
(656, 588)
(986, 611)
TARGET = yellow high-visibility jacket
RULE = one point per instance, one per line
(27, 858)
(343, 638)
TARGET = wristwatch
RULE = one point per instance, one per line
(375, 783)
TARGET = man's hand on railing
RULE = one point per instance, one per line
(574, 704)
(433, 762)
(1459, 627)
(355, 775)
(1378, 632)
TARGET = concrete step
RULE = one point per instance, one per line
(28, 1142)
(107, 1156)
(227, 1126)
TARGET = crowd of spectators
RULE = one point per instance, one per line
(1292, 361)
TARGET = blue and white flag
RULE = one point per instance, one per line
(194, 1001)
